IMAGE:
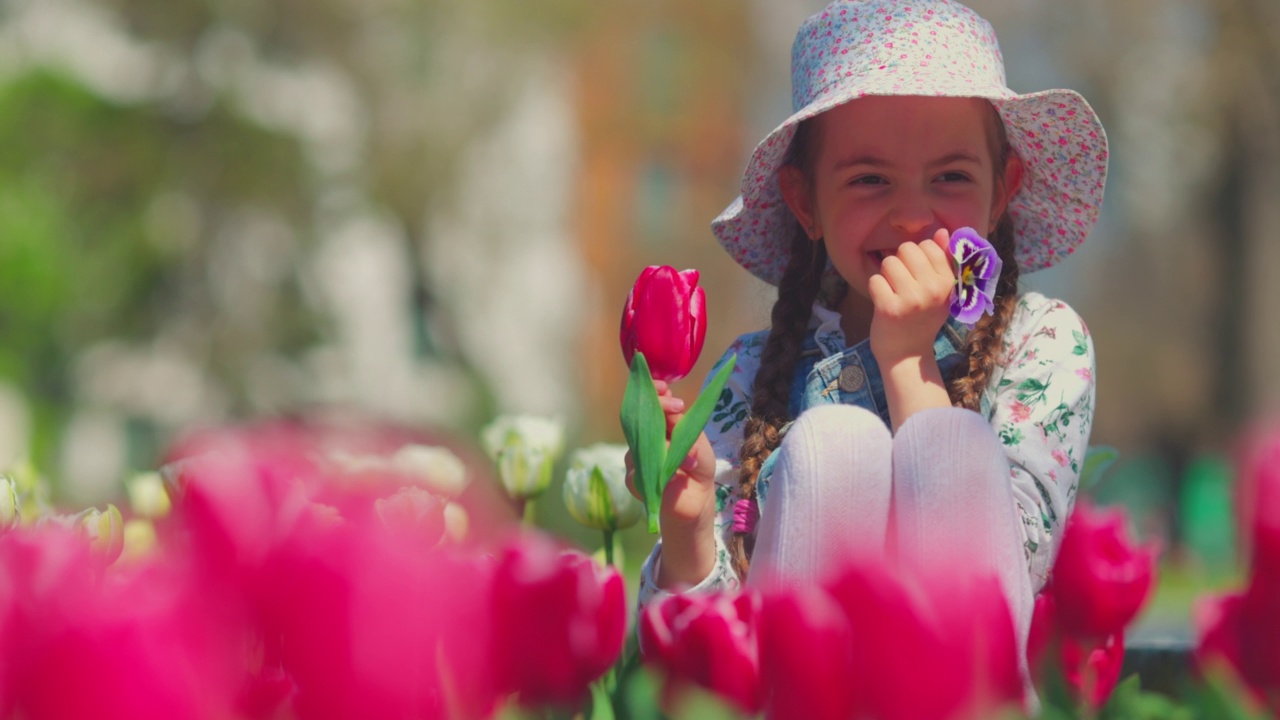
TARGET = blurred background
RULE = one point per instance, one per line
(430, 212)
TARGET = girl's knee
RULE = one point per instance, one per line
(944, 419)
(833, 422)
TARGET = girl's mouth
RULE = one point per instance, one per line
(877, 255)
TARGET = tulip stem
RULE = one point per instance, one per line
(526, 512)
(608, 547)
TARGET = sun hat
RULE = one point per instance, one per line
(856, 48)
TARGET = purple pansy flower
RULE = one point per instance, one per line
(977, 270)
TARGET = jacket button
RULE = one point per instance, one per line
(851, 378)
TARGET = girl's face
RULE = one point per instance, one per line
(893, 170)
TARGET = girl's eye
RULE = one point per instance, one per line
(868, 180)
(954, 176)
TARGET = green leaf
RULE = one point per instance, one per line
(686, 432)
(645, 427)
(601, 705)
(600, 500)
(1096, 461)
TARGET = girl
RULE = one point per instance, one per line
(865, 419)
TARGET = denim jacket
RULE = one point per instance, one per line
(1039, 402)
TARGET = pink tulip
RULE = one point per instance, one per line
(1092, 669)
(707, 640)
(1100, 579)
(807, 652)
(558, 621)
(956, 631)
(138, 643)
(666, 319)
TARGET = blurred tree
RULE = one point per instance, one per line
(79, 178)
(1188, 91)
(171, 227)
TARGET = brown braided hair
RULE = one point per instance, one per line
(797, 291)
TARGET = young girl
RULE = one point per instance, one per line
(865, 419)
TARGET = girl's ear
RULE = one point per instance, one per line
(1013, 171)
(796, 193)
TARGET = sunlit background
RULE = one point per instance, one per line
(430, 212)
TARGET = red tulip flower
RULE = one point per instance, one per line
(558, 621)
(1100, 579)
(1240, 628)
(807, 653)
(708, 640)
(956, 631)
(1092, 670)
(666, 319)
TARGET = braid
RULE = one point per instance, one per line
(985, 341)
(771, 390)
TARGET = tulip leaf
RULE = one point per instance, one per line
(686, 432)
(601, 705)
(645, 428)
(600, 500)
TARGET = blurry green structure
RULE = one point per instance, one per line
(102, 209)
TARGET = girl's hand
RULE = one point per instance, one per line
(912, 299)
(692, 489)
(688, 512)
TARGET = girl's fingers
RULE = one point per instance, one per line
(938, 255)
(880, 290)
(671, 404)
(895, 271)
(662, 387)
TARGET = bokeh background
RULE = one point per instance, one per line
(430, 212)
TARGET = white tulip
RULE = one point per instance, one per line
(595, 488)
(147, 495)
(435, 468)
(525, 449)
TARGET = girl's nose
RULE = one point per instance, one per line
(913, 217)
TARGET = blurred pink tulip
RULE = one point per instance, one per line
(140, 643)
(558, 621)
(1240, 629)
(1100, 579)
(1092, 668)
(956, 631)
(807, 654)
(1217, 622)
(709, 640)
(665, 318)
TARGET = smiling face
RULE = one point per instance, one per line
(890, 170)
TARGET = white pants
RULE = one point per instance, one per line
(937, 494)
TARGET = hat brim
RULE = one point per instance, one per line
(1056, 133)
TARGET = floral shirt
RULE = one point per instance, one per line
(1039, 402)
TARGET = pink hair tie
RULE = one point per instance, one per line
(745, 515)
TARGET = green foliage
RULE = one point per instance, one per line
(82, 258)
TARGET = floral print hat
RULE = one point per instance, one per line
(855, 48)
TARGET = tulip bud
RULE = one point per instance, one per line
(147, 495)
(413, 512)
(1093, 669)
(665, 318)
(104, 529)
(525, 449)
(595, 488)
(558, 621)
(1100, 579)
(710, 640)
(9, 515)
(435, 468)
(139, 538)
